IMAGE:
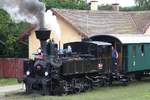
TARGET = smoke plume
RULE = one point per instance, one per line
(31, 11)
(51, 23)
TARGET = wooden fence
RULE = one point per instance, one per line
(11, 67)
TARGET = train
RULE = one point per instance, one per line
(84, 64)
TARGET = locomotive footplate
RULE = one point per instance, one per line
(119, 77)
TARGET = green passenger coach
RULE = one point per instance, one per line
(133, 50)
(137, 56)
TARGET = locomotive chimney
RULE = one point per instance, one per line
(43, 35)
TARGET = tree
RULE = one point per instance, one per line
(9, 32)
(69, 4)
(105, 7)
(143, 4)
(109, 7)
(133, 8)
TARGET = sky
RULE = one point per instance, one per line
(123, 3)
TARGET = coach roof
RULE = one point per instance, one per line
(99, 43)
(125, 38)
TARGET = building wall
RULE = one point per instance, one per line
(68, 34)
(34, 44)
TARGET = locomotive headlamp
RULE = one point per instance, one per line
(39, 50)
(46, 73)
(28, 73)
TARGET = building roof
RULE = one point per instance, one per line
(26, 32)
(127, 38)
(90, 23)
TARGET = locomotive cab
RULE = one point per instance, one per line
(87, 57)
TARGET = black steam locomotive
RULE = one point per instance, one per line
(82, 65)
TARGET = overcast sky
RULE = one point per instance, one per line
(123, 3)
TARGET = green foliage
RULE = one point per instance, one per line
(105, 7)
(81, 4)
(9, 33)
(143, 4)
(133, 8)
(69, 4)
(8, 81)
(109, 7)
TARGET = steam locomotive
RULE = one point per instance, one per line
(82, 66)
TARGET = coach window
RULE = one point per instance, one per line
(142, 50)
(134, 51)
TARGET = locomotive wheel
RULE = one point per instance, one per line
(58, 90)
(87, 84)
(79, 85)
(45, 90)
(77, 90)
(28, 88)
(101, 83)
(109, 80)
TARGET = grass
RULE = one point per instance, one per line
(134, 91)
(7, 81)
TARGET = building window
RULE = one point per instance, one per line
(142, 50)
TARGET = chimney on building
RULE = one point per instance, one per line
(115, 6)
(94, 5)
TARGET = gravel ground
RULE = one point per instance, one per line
(4, 90)
(11, 88)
